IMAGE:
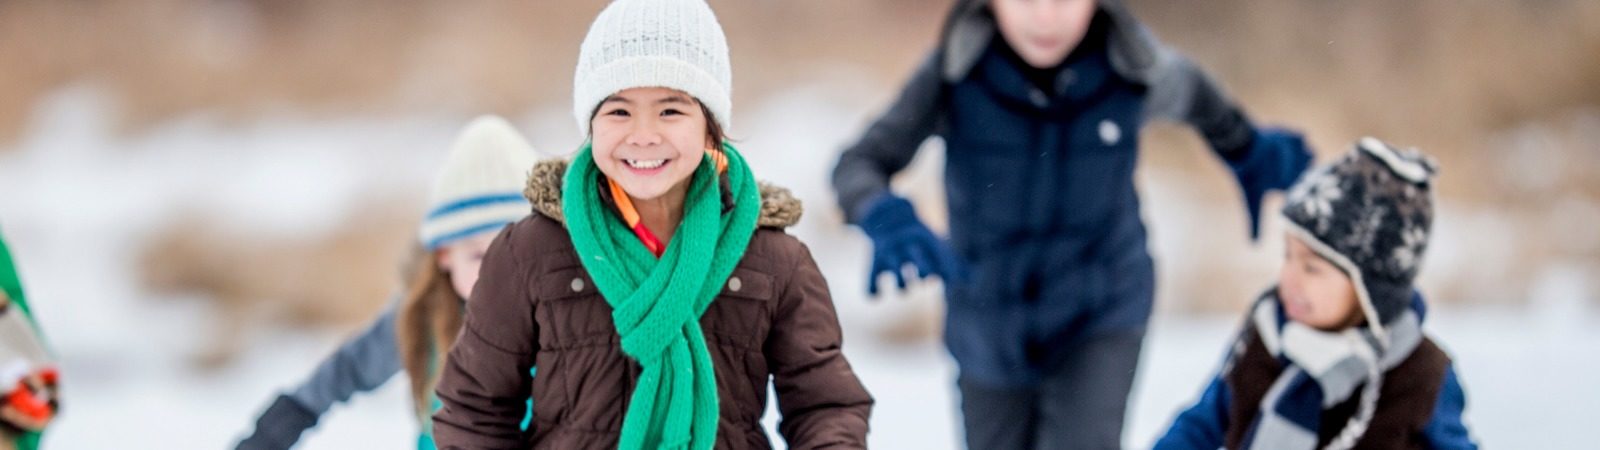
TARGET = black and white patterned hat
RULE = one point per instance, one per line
(1369, 213)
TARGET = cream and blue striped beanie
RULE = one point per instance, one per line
(480, 187)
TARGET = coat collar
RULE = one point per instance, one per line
(779, 208)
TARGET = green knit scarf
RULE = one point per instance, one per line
(656, 303)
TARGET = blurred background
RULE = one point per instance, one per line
(206, 196)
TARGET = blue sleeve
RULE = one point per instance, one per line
(1202, 425)
(361, 364)
(1445, 430)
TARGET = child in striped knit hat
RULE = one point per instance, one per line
(1334, 356)
(477, 193)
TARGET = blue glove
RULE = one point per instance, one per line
(1275, 160)
(899, 238)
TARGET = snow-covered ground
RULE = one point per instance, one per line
(77, 201)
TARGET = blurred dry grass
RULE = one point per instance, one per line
(166, 58)
(243, 59)
(1505, 92)
(336, 279)
(1442, 75)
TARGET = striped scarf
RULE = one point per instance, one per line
(1324, 369)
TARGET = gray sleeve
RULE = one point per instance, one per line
(1181, 92)
(361, 364)
(864, 169)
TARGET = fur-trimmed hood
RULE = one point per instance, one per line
(779, 208)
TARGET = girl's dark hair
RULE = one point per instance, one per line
(715, 135)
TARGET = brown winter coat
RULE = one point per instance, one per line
(534, 304)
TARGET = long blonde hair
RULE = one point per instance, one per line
(426, 326)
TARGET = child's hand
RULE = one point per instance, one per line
(1277, 158)
(899, 239)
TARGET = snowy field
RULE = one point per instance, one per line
(78, 201)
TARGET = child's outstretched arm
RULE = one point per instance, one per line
(1201, 426)
(361, 364)
(1204, 425)
(484, 382)
(1181, 92)
(864, 169)
(1445, 430)
(822, 402)
(1263, 159)
(861, 181)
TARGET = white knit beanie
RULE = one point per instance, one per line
(674, 44)
(480, 188)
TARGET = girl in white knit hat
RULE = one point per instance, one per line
(654, 285)
(477, 193)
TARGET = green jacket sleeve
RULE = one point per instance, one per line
(11, 284)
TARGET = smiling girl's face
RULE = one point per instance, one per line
(649, 140)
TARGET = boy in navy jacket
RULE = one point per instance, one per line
(1048, 279)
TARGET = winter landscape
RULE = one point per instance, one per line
(198, 223)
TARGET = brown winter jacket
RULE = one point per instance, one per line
(534, 304)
